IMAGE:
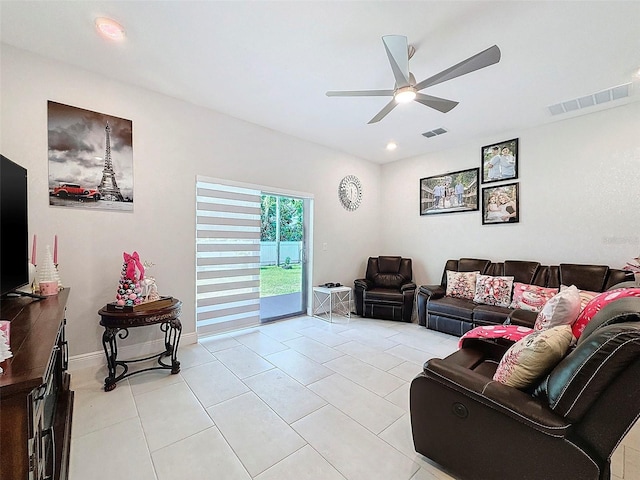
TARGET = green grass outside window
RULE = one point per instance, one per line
(280, 281)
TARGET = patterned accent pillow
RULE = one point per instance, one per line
(461, 284)
(531, 297)
(530, 359)
(561, 309)
(585, 296)
(493, 290)
(597, 304)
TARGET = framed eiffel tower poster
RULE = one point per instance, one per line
(90, 159)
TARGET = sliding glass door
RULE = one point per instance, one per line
(282, 257)
(251, 255)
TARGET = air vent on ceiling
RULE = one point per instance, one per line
(608, 95)
(435, 132)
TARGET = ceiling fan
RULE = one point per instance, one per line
(406, 88)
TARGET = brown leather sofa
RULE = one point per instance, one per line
(566, 427)
(387, 291)
(456, 316)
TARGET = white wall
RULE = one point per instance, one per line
(579, 191)
(173, 141)
(579, 198)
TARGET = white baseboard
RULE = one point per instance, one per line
(141, 350)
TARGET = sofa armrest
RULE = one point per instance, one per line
(492, 349)
(362, 284)
(432, 291)
(408, 287)
(523, 318)
(509, 401)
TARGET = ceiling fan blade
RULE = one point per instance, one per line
(480, 60)
(398, 52)
(361, 93)
(441, 104)
(383, 113)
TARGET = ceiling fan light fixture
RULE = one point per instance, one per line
(405, 94)
(110, 29)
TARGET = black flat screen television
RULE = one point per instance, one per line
(14, 227)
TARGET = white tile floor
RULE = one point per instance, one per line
(299, 399)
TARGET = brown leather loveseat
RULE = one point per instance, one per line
(456, 316)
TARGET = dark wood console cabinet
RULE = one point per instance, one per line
(36, 403)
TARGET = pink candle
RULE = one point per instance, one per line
(33, 251)
(55, 249)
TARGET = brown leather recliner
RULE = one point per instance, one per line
(388, 290)
(566, 427)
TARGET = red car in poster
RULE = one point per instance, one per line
(73, 190)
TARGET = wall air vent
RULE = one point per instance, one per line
(608, 95)
(435, 132)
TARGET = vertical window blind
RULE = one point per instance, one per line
(227, 257)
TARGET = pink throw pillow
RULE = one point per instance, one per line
(531, 297)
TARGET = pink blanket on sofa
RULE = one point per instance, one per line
(509, 332)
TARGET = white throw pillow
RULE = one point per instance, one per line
(561, 309)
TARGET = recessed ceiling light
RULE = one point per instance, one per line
(392, 146)
(109, 28)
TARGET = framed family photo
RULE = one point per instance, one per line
(501, 204)
(500, 161)
(450, 193)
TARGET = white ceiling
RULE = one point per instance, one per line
(271, 62)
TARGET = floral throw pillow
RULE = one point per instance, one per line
(531, 297)
(461, 284)
(598, 303)
(493, 290)
(562, 309)
(528, 360)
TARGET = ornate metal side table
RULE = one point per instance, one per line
(117, 324)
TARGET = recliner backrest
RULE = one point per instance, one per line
(473, 264)
(609, 345)
(521, 271)
(542, 277)
(389, 271)
(584, 277)
(587, 371)
(617, 276)
(464, 265)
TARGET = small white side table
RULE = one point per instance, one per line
(329, 300)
